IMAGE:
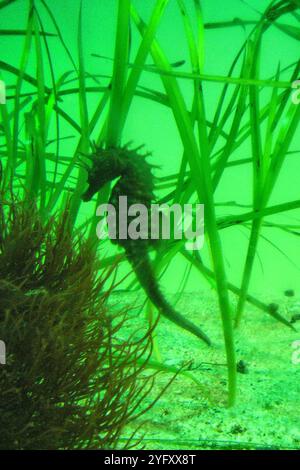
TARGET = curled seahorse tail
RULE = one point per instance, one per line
(142, 267)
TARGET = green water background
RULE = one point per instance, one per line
(153, 125)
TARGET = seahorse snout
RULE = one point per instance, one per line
(87, 195)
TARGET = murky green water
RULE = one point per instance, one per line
(226, 27)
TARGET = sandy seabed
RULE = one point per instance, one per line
(191, 416)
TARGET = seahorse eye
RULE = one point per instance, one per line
(91, 174)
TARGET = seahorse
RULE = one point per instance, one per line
(136, 182)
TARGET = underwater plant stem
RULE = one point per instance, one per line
(150, 317)
(252, 247)
(39, 126)
(141, 56)
(201, 173)
(258, 171)
(114, 128)
(84, 123)
(11, 167)
(216, 250)
(219, 268)
(200, 165)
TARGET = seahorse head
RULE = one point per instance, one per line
(107, 165)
